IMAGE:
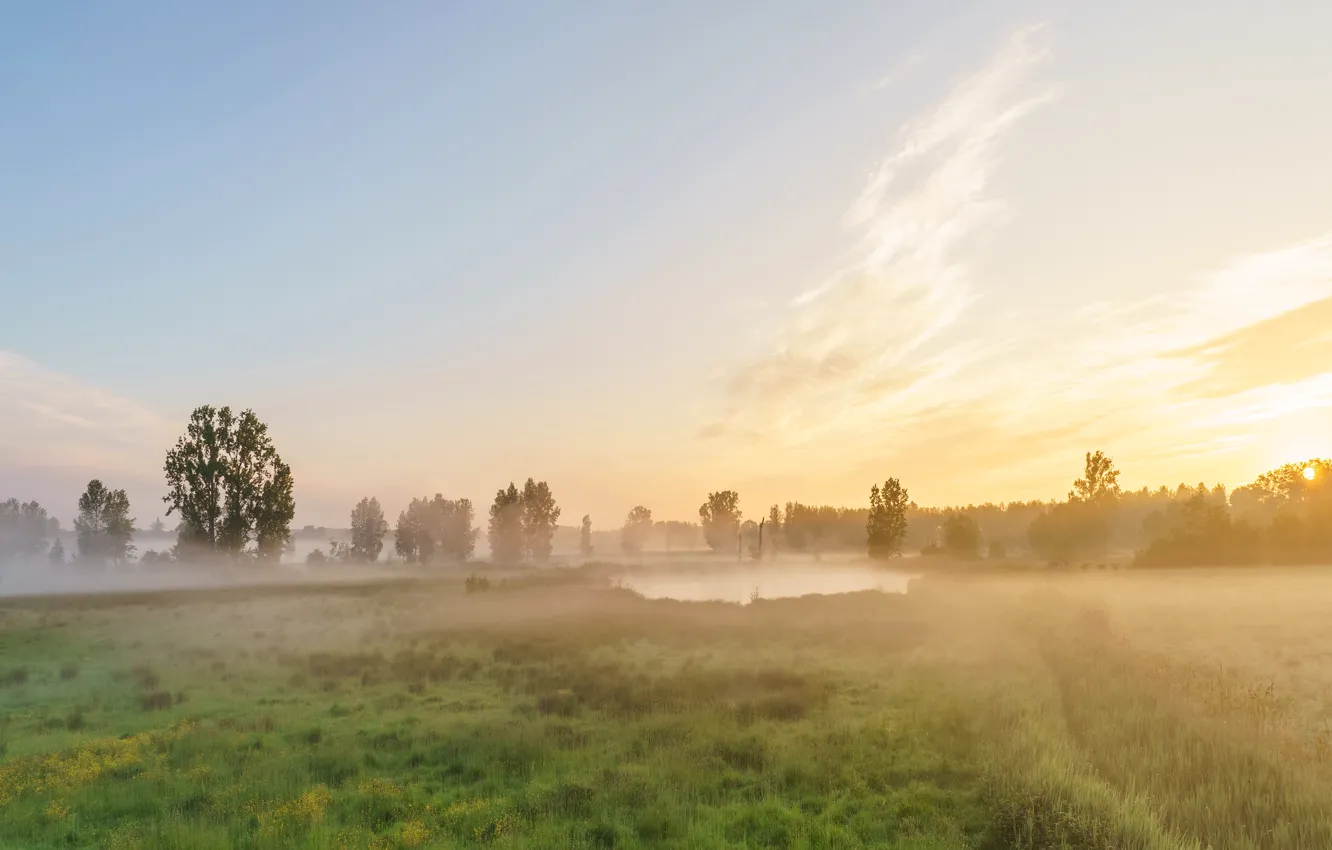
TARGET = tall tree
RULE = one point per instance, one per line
(637, 527)
(368, 528)
(721, 516)
(773, 534)
(412, 539)
(104, 526)
(505, 531)
(453, 525)
(1099, 482)
(273, 513)
(229, 485)
(585, 537)
(887, 524)
(540, 518)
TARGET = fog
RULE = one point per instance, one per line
(743, 583)
(19, 579)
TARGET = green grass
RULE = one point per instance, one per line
(560, 714)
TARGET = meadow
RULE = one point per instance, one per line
(552, 709)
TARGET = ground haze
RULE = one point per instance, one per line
(550, 708)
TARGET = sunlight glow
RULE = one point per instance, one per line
(1309, 473)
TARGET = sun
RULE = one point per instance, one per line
(1309, 473)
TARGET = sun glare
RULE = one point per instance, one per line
(1309, 473)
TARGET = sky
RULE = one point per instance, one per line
(646, 251)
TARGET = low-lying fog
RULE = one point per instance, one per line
(39, 581)
(742, 584)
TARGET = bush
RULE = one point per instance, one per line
(157, 700)
(477, 584)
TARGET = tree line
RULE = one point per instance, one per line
(235, 499)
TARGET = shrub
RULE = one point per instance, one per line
(157, 700)
(477, 584)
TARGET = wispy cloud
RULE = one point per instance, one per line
(892, 360)
(899, 71)
(51, 419)
(847, 341)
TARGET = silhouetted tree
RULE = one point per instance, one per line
(720, 516)
(585, 537)
(772, 535)
(1069, 530)
(541, 517)
(637, 527)
(1198, 532)
(886, 526)
(456, 522)
(1100, 480)
(1079, 527)
(274, 512)
(505, 532)
(229, 485)
(157, 527)
(104, 526)
(56, 555)
(962, 536)
(444, 527)
(411, 538)
(24, 527)
(368, 528)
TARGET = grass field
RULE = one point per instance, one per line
(1087, 712)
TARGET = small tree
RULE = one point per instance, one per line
(637, 527)
(505, 531)
(56, 556)
(540, 518)
(158, 526)
(104, 526)
(585, 537)
(720, 516)
(773, 539)
(887, 525)
(368, 528)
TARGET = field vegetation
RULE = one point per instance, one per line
(549, 709)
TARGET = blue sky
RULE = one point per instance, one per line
(439, 246)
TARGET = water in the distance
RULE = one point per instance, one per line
(743, 584)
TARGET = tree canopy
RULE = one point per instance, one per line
(437, 528)
(637, 527)
(229, 485)
(368, 528)
(886, 526)
(505, 532)
(104, 526)
(720, 516)
(541, 516)
(24, 528)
